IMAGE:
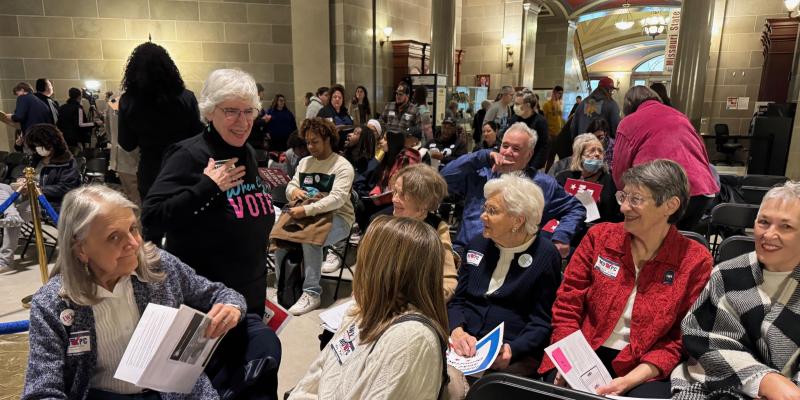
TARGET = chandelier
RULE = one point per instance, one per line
(654, 25)
(626, 22)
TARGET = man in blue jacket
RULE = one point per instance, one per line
(466, 176)
(29, 110)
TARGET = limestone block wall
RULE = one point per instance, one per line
(551, 52)
(72, 41)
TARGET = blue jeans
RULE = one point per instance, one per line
(312, 256)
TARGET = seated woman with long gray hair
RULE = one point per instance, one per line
(104, 277)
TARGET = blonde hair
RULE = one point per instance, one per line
(78, 210)
(522, 197)
(578, 146)
(422, 185)
(391, 279)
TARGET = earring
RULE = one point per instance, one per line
(86, 269)
(514, 229)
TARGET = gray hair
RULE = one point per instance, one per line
(636, 96)
(522, 197)
(227, 84)
(507, 90)
(578, 146)
(664, 179)
(523, 127)
(789, 191)
(78, 209)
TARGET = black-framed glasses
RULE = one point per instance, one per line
(634, 199)
(234, 113)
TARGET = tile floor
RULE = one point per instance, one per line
(299, 339)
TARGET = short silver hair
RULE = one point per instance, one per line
(664, 179)
(523, 127)
(522, 197)
(789, 191)
(78, 209)
(227, 84)
(578, 146)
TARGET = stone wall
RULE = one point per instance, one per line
(70, 42)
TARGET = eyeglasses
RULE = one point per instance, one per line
(635, 200)
(399, 93)
(491, 211)
(234, 113)
(593, 151)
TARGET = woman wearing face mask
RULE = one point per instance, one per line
(526, 109)
(57, 173)
(588, 164)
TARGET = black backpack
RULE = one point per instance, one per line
(290, 285)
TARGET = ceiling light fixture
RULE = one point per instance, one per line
(654, 25)
(626, 22)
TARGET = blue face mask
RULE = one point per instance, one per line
(592, 166)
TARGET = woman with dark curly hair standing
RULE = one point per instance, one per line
(155, 111)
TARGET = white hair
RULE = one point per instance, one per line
(227, 84)
(78, 209)
(789, 191)
(522, 197)
(523, 127)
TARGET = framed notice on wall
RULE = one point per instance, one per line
(483, 80)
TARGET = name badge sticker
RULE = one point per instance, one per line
(344, 346)
(390, 113)
(79, 343)
(606, 267)
(308, 180)
(474, 258)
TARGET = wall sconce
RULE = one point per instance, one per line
(508, 43)
(387, 34)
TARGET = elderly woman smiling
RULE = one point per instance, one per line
(741, 334)
(629, 284)
(82, 319)
(418, 190)
(511, 275)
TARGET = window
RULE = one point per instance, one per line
(594, 83)
(655, 64)
(640, 82)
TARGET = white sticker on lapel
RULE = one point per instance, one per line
(525, 260)
(308, 180)
(474, 258)
(67, 317)
(606, 267)
(79, 342)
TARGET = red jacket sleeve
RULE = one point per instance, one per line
(568, 310)
(668, 351)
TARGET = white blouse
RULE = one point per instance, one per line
(504, 263)
(115, 318)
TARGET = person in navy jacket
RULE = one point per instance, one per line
(510, 274)
(467, 175)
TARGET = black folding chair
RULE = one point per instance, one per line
(96, 170)
(733, 247)
(728, 219)
(696, 237)
(511, 387)
(763, 180)
(351, 243)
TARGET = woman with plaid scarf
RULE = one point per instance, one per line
(742, 334)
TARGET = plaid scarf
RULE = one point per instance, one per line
(735, 333)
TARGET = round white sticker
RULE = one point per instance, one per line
(67, 317)
(316, 178)
(525, 260)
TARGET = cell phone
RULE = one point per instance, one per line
(219, 163)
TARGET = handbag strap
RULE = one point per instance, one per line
(442, 343)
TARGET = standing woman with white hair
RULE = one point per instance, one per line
(210, 201)
(510, 275)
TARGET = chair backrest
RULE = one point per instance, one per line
(736, 216)
(278, 194)
(3, 155)
(754, 194)
(721, 134)
(766, 181)
(511, 387)
(733, 247)
(696, 237)
(97, 165)
(16, 158)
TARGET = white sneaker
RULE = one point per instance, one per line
(272, 295)
(331, 263)
(305, 304)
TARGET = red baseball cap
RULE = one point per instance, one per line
(607, 83)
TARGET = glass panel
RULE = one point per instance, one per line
(655, 64)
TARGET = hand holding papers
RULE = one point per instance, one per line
(275, 316)
(589, 195)
(168, 350)
(486, 350)
(578, 363)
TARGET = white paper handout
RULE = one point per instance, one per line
(332, 318)
(578, 363)
(486, 350)
(592, 212)
(168, 350)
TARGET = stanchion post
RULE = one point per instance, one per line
(33, 192)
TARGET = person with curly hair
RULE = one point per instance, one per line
(57, 175)
(155, 111)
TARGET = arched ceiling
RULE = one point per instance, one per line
(625, 58)
(575, 8)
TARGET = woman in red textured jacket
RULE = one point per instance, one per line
(651, 131)
(629, 284)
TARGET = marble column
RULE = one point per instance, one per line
(689, 73)
(443, 25)
(527, 57)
